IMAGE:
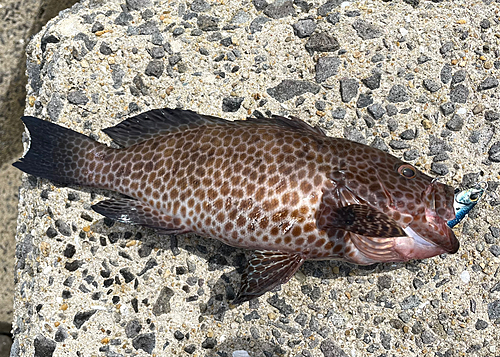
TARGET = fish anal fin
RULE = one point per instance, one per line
(359, 219)
(265, 270)
(131, 211)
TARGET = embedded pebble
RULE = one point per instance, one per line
(326, 67)
(348, 89)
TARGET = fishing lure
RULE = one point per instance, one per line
(465, 201)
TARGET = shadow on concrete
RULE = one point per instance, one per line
(12, 108)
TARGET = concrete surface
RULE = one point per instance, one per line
(18, 21)
(88, 287)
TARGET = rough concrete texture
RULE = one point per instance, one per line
(416, 78)
(18, 21)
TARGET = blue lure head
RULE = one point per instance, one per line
(466, 200)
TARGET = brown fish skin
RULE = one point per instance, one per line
(275, 185)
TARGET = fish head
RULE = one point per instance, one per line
(415, 202)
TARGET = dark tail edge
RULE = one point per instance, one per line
(54, 152)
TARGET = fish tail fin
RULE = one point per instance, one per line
(57, 153)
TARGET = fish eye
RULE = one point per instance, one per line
(407, 171)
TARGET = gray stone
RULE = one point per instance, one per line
(61, 334)
(439, 168)
(304, 28)
(154, 68)
(427, 337)
(280, 9)
(408, 134)
(289, 88)
(348, 89)
(481, 324)
(351, 133)
(446, 48)
(257, 23)
(330, 349)
(372, 82)
(321, 42)
(491, 115)
(364, 100)
(410, 302)
(398, 145)
(494, 152)
(326, 67)
(391, 110)
(437, 145)
(447, 108)
(327, 7)
(488, 83)
(241, 17)
(162, 304)
(145, 342)
(44, 347)
(379, 143)
(156, 52)
(459, 94)
(77, 97)
(209, 343)
(455, 123)
(333, 18)
(495, 250)
(376, 110)
(231, 104)
(446, 74)
(54, 107)
(117, 75)
(494, 310)
(411, 155)
(208, 23)
(133, 328)
(138, 4)
(431, 85)
(458, 77)
(366, 30)
(82, 317)
(199, 6)
(398, 94)
(338, 113)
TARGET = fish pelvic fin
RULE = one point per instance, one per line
(131, 211)
(55, 152)
(359, 219)
(265, 270)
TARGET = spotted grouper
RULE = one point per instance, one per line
(277, 186)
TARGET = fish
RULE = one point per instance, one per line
(276, 186)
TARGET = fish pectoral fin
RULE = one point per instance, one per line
(360, 219)
(131, 211)
(264, 271)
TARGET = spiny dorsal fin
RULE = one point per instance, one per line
(265, 270)
(156, 122)
(293, 123)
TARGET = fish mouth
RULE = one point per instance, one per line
(428, 234)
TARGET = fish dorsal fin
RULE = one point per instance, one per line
(131, 211)
(359, 219)
(293, 123)
(156, 122)
(265, 270)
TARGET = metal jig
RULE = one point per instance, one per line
(466, 200)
